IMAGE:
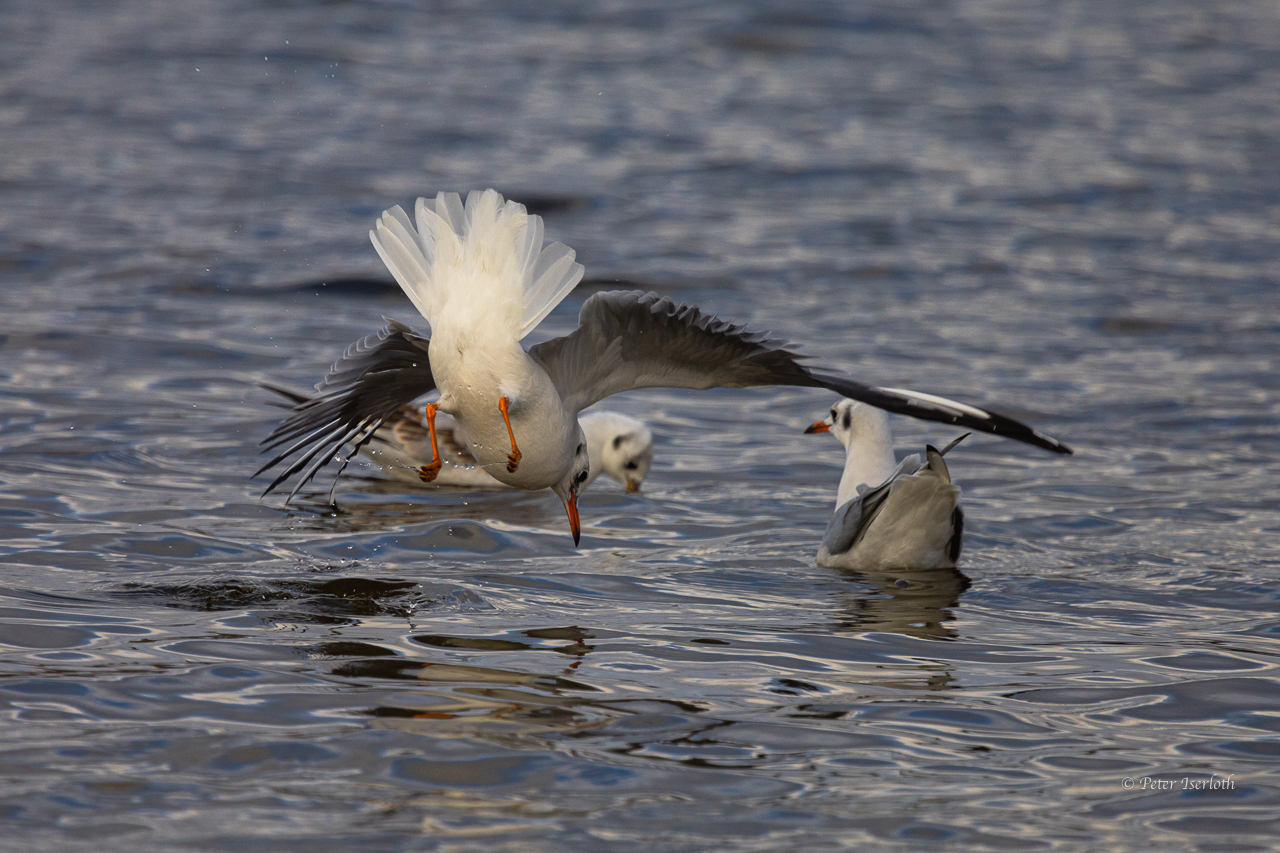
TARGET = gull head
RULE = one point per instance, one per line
(868, 445)
(619, 446)
(853, 422)
(628, 456)
(568, 486)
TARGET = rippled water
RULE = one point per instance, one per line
(1070, 211)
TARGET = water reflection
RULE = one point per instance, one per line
(914, 602)
(443, 521)
(477, 701)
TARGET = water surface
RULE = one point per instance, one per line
(1067, 211)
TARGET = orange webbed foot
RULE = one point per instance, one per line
(513, 458)
(430, 471)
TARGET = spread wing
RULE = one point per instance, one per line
(628, 339)
(374, 378)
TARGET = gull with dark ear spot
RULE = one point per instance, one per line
(481, 277)
(889, 517)
(620, 447)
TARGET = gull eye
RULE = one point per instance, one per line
(631, 466)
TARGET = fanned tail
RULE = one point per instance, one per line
(489, 250)
(551, 276)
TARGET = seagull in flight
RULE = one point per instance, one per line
(481, 278)
(618, 446)
(909, 519)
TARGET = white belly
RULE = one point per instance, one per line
(471, 383)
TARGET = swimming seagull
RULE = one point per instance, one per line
(481, 277)
(910, 520)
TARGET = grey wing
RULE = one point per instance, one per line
(628, 339)
(853, 518)
(851, 521)
(368, 384)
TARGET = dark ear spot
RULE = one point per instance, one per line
(847, 420)
(580, 448)
(617, 441)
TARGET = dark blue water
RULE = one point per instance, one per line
(1069, 211)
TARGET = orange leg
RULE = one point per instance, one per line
(430, 472)
(513, 458)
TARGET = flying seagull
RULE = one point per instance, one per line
(887, 517)
(618, 446)
(482, 279)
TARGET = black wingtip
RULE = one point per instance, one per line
(293, 396)
(951, 445)
(930, 407)
(1052, 444)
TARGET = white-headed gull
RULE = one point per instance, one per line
(888, 517)
(480, 276)
(618, 446)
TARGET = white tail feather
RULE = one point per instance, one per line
(449, 208)
(549, 280)
(392, 249)
(489, 249)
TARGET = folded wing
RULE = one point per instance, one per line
(628, 339)
(852, 520)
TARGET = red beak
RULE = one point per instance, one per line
(820, 426)
(571, 509)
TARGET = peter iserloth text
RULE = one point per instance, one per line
(1186, 783)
